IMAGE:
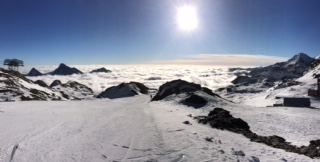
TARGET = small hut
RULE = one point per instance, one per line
(296, 102)
(293, 101)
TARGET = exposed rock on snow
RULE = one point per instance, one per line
(72, 90)
(34, 72)
(65, 70)
(262, 78)
(179, 86)
(41, 83)
(291, 69)
(15, 86)
(124, 90)
(221, 119)
(244, 79)
(195, 101)
(101, 70)
(55, 83)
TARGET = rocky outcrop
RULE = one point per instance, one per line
(101, 70)
(72, 90)
(65, 70)
(194, 100)
(34, 72)
(179, 86)
(222, 119)
(17, 87)
(55, 83)
(41, 83)
(124, 90)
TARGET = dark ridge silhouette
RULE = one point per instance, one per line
(65, 70)
(34, 72)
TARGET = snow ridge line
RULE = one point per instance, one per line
(13, 151)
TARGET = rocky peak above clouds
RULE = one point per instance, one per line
(124, 90)
(101, 70)
(65, 70)
(34, 72)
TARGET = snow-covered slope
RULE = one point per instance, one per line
(262, 78)
(131, 129)
(15, 87)
(268, 96)
(293, 68)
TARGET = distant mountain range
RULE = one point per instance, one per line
(65, 70)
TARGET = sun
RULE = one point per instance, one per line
(187, 18)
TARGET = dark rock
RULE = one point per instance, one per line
(101, 70)
(315, 143)
(195, 101)
(55, 83)
(179, 86)
(221, 119)
(41, 83)
(78, 86)
(239, 153)
(34, 72)
(154, 78)
(209, 139)
(124, 90)
(65, 70)
(187, 122)
(244, 79)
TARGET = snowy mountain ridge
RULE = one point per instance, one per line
(15, 86)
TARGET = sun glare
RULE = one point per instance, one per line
(187, 18)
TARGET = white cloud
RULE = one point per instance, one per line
(223, 60)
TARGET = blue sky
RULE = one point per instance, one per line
(48, 32)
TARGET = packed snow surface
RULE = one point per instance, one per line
(134, 129)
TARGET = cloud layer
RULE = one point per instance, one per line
(224, 60)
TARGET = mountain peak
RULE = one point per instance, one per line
(63, 65)
(300, 58)
(34, 72)
(65, 70)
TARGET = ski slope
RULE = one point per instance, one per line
(125, 129)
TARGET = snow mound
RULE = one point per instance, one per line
(65, 70)
(34, 72)
(101, 70)
(124, 90)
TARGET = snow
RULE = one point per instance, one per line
(132, 129)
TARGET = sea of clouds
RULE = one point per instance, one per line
(152, 76)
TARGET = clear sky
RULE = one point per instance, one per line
(48, 32)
